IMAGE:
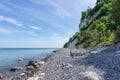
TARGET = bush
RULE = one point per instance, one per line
(66, 45)
(104, 10)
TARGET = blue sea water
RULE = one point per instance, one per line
(10, 55)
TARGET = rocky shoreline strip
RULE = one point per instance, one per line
(72, 64)
(84, 64)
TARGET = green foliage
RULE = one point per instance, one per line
(115, 17)
(84, 15)
(66, 45)
(103, 25)
(106, 1)
(84, 27)
(107, 38)
(78, 36)
(86, 38)
(104, 10)
(90, 12)
(100, 29)
(115, 12)
(97, 7)
(100, 25)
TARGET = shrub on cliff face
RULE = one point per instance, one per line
(66, 45)
(115, 16)
(104, 11)
(115, 12)
(90, 12)
(86, 38)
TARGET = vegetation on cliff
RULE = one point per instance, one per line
(102, 25)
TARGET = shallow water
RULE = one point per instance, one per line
(9, 56)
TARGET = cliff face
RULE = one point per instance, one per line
(96, 27)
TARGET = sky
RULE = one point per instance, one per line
(39, 23)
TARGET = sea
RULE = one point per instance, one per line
(10, 56)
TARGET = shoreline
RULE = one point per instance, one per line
(7, 74)
(60, 65)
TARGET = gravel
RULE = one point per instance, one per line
(106, 63)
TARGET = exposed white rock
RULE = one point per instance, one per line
(22, 74)
(89, 75)
(42, 74)
(72, 44)
(94, 52)
(20, 59)
(33, 78)
(82, 23)
(41, 62)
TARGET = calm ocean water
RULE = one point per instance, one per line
(10, 55)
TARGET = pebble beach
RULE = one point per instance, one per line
(99, 63)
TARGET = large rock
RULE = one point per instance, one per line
(30, 68)
(77, 52)
(2, 76)
(35, 64)
(16, 78)
(35, 78)
(15, 69)
(41, 63)
(20, 59)
(89, 75)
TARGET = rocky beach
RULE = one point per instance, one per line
(34, 42)
(71, 64)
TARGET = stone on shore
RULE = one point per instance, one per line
(15, 69)
(16, 78)
(94, 52)
(35, 78)
(30, 68)
(67, 65)
(54, 51)
(77, 52)
(41, 63)
(36, 64)
(89, 75)
(20, 59)
(2, 76)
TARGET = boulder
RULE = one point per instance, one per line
(77, 52)
(16, 78)
(23, 74)
(35, 64)
(41, 63)
(15, 69)
(34, 78)
(30, 68)
(2, 76)
(54, 51)
(94, 52)
(20, 59)
(31, 63)
(89, 75)
(42, 74)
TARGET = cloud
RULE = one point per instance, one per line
(10, 20)
(3, 7)
(35, 28)
(4, 31)
(55, 7)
